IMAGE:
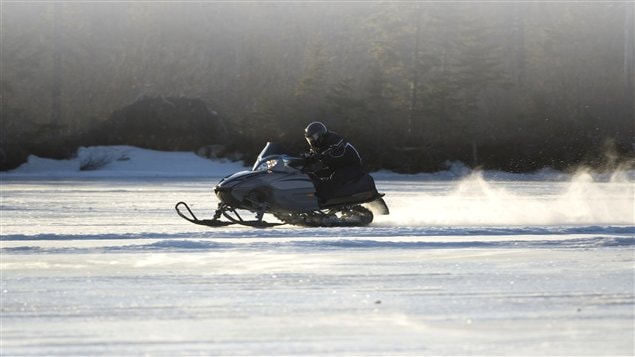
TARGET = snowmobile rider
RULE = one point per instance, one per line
(333, 161)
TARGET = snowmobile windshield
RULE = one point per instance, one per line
(272, 149)
(270, 156)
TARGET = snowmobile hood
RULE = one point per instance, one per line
(234, 179)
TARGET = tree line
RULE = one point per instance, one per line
(515, 86)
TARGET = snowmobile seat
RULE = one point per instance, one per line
(357, 191)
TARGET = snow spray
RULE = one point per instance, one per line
(475, 201)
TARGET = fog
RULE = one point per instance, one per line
(475, 80)
(113, 53)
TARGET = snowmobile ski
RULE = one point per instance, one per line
(232, 218)
(215, 222)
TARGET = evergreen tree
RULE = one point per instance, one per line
(477, 67)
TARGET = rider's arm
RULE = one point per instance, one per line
(342, 154)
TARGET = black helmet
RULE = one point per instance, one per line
(314, 133)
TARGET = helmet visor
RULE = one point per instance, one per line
(312, 139)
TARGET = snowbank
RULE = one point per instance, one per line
(128, 161)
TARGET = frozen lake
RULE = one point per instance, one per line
(103, 266)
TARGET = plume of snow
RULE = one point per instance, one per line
(476, 201)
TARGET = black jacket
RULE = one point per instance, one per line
(340, 158)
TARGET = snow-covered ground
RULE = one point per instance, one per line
(98, 263)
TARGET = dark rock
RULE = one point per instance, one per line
(169, 124)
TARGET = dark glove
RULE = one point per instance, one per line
(319, 157)
(312, 156)
(312, 163)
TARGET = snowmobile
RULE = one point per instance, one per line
(284, 186)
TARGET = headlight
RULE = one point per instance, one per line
(267, 165)
(271, 164)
